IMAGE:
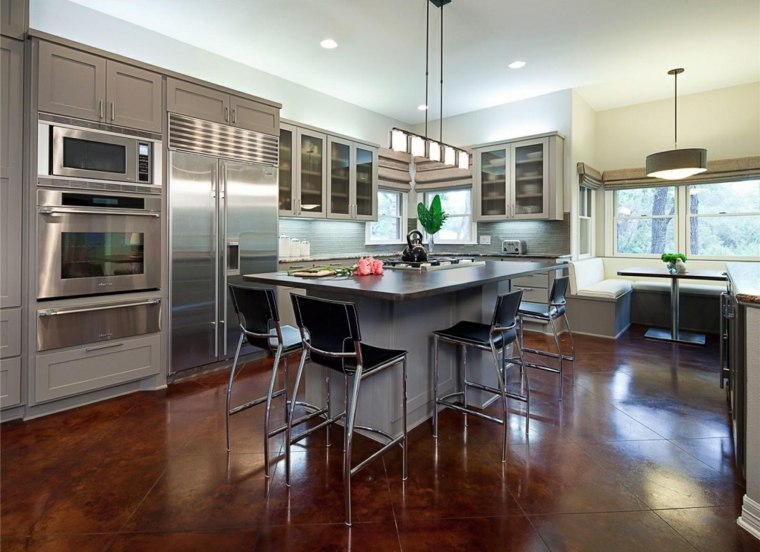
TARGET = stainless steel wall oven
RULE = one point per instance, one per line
(93, 243)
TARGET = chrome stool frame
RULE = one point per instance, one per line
(553, 311)
(331, 338)
(256, 309)
(494, 338)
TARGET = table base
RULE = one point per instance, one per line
(683, 337)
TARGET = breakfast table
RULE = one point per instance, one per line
(674, 333)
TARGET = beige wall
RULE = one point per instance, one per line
(725, 121)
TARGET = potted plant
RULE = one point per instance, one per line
(674, 262)
(431, 219)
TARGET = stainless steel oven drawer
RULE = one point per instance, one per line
(96, 323)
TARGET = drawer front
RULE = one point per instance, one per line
(96, 323)
(66, 373)
(10, 382)
(10, 333)
(534, 295)
(532, 281)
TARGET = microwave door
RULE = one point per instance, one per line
(95, 155)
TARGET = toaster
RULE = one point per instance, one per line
(513, 247)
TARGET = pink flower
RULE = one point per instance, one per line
(367, 266)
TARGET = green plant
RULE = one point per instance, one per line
(431, 219)
(672, 257)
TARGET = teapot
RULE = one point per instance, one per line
(414, 252)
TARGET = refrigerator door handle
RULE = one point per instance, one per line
(215, 252)
(222, 271)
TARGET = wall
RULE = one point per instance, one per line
(583, 149)
(75, 22)
(725, 121)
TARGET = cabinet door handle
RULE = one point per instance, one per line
(101, 114)
(234, 115)
(113, 111)
(109, 346)
(227, 114)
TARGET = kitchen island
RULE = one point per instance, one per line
(399, 309)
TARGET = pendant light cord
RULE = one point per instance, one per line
(427, 64)
(440, 126)
(675, 115)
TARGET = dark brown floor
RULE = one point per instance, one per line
(638, 456)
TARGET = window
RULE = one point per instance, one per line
(586, 222)
(457, 204)
(391, 219)
(724, 219)
(707, 220)
(644, 221)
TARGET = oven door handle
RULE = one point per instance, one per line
(125, 212)
(72, 310)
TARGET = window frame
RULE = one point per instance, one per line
(682, 218)
(590, 217)
(427, 196)
(404, 216)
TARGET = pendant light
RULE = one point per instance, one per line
(677, 163)
(422, 146)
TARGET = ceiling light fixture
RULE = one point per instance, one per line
(517, 64)
(422, 146)
(676, 163)
(328, 44)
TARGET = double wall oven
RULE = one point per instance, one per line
(98, 232)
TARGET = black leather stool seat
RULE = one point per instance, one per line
(476, 333)
(540, 310)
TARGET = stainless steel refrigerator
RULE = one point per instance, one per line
(223, 219)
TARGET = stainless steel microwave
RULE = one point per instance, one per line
(95, 154)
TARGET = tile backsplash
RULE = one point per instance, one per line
(345, 237)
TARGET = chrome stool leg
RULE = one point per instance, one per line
(435, 386)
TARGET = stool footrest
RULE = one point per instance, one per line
(571, 358)
(378, 452)
(466, 410)
(495, 391)
(255, 402)
(320, 425)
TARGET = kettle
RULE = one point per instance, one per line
(414, 252)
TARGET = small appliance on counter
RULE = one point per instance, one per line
(513, 247)
(283, 246)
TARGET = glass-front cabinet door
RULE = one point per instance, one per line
(311, 174)
(287, 173)
(492, 170)
(339, 178)
(529, 186)
(365, 203)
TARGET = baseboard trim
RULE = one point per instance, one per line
(750, 518)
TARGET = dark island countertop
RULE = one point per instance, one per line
(404, 285)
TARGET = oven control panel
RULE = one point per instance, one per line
(143, 162)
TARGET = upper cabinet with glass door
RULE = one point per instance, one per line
(303, 172)
(520, 179)
(352, 180)
(322, 175)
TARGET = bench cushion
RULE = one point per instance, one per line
(585, 273)
(609, 289)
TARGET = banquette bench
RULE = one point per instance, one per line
(605, 304)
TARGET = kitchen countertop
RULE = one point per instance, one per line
(345, 257)
(403, 285)
(746, 281)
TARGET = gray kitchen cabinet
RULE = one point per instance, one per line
(11, 140)
(218, 106)
(535, 287)
(10, 382)
(68, 372)
(519, 179)
(303, 172)
(87, 86)
(10, 355)
(14, 18)
(351, 180)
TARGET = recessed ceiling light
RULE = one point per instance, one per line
(422, 107)
(517, 64)
(328, 44)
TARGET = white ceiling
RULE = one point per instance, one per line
(614, 52)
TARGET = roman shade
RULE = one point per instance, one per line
(393, 170)
(589, 176)
(431, 175)
(721, 170)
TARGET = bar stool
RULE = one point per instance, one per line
(334, 341)
(494, 338)
(551, 312)
(256, 310)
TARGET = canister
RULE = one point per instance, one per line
(283, 246)
(295, 247)
(305, 248)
